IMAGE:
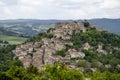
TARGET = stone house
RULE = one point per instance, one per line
(100, 50)
(75, 54)
(86, 46)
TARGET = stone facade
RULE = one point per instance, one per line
(100, 49)
(75, 54)
(87, 46)
(66, 30)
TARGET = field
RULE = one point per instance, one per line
(12, 39)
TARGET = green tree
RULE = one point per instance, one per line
(3, 76)
(61, 53)
(86, 23)
(61, 72)
(17, 73)
(32, 70)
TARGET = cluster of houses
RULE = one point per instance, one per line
(38, 55)
(66, 30)
(41, 53)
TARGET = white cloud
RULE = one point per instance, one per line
(1, 3)
(59, 9)
(107, 4)
(31, 2)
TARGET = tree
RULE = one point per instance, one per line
(61, 53)
(32, 70)
(3, 76)
(83, 63)
(61, 72)
(17, 73)
(86, 23)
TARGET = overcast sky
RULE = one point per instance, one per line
(59, 9)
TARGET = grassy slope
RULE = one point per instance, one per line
(12, 39)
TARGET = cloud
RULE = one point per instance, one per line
(10, 2)
(1, 3)
(107, 4)
(59, 9)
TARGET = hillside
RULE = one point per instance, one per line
(76, 44)
(70, 51)
(31, 27)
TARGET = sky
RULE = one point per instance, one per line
(59, 9)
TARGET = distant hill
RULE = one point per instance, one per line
(12, 39)
(111, 25)
(30, 27)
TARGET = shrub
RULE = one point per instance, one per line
(86, 23)
(61, 53)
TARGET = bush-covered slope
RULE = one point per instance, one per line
(94, 37)
(109, 59)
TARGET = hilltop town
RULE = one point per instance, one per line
(58, 48)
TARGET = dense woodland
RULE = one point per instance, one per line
(56, 72)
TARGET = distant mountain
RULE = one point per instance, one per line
(111, 25)
(30, 27)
